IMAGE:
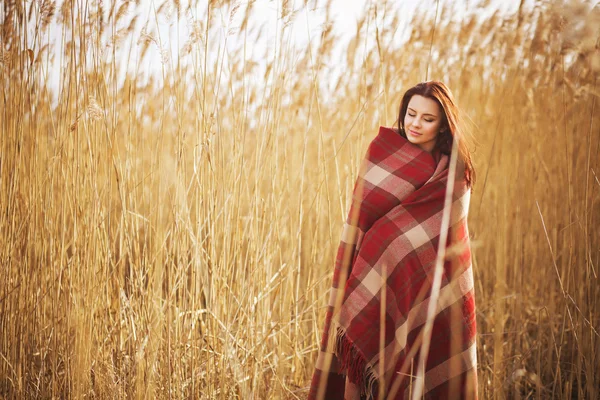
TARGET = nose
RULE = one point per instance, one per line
(416, 122)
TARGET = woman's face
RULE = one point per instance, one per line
(422, 122)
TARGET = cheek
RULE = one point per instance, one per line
(433, 129)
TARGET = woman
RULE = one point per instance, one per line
(401, 317)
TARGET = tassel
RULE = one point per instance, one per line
(353, 362)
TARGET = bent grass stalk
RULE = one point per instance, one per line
(437, 274)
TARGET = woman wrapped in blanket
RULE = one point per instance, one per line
(400, 323)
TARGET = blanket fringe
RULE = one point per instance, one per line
(357, 369)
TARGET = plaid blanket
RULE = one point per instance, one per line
(382, 283)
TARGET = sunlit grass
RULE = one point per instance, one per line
(174, 235)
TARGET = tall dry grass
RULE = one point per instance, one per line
(173, 235)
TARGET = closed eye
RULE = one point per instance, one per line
(413, 115)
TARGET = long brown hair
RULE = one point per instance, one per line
(450, 127)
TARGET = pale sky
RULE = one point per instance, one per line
(307, 23)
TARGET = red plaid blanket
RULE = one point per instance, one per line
(384, 268)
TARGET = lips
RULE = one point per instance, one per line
(414, 133)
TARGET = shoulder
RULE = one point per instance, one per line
(388, 130)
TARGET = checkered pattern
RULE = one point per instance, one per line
(382, 282)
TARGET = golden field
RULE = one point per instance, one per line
(172, 235)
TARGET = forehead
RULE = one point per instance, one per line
(424, 105)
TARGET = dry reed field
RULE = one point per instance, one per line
(172, 235)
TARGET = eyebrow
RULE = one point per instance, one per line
(413, 110)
